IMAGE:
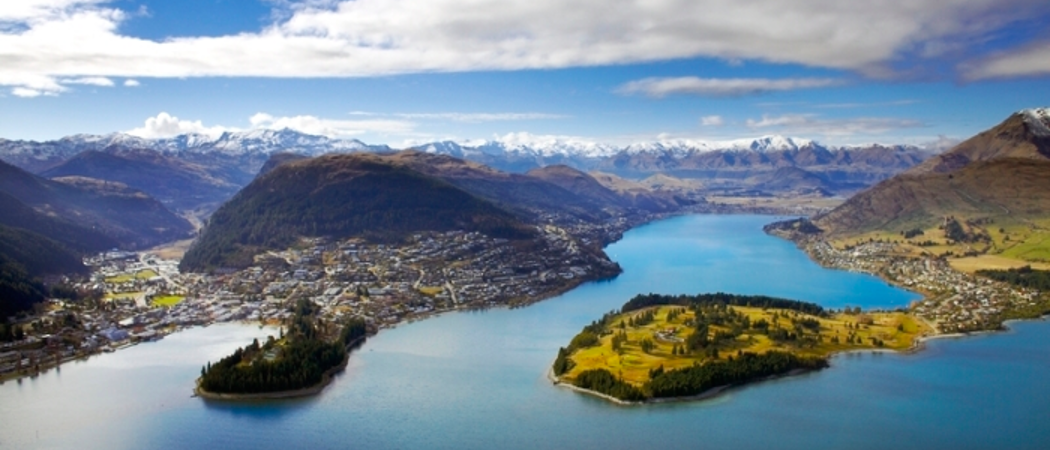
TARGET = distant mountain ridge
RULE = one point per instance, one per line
(515, 152)
(1001, 175)
(99, 208)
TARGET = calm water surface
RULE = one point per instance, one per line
(477, 380)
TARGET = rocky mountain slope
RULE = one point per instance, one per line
(1000, 175)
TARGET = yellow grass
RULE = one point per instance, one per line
(633, 365)
(431, 290)
(124, 278)
(167, 301)
(994, 262)
(1014, 242)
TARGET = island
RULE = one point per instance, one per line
(660, 347)
(299, 363)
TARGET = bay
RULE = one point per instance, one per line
(478, 379)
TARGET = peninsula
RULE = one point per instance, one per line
(298, 364)
(659, 347)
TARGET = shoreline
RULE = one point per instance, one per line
(712, 393)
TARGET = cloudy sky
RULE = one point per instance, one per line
(407, 71)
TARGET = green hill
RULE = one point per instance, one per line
(340, 196)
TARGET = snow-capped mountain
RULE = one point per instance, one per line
(35, 156)
(246, 152)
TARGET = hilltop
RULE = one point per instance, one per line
(340, 196)
(990, 195)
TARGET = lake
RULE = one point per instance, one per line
(478, 379)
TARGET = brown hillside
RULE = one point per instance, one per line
(1016, 187)
(1010, 139)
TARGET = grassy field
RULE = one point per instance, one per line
(897, 331)
(1011, 243)
(431, 290)
(993, 262)
(124, 278)
(167, 301)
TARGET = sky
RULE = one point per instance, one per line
(404, 72)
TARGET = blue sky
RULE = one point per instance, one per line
(402, 72)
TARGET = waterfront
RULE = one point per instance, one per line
(477, 379)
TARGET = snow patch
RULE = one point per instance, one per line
(1038, 120)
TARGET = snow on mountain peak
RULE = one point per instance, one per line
(1038, 120)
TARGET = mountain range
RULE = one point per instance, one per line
(203, 170)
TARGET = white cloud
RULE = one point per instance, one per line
(91, 81)
(712, 121)
(27, 92)
(466, 117)
(165, 125)
(1033, 60)
(132, 83)
(812, 124)
(482, 117)
(333, 128)
(720, 87)
(54, 39)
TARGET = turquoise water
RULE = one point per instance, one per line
(477, 380)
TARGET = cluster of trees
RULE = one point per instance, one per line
(18, 291)
(720, 298)
(563, 364)
(908, 234)
(10, 332)
(642, 319)
(745, 367)
(1026, 277)
(697, 379)
(354, 330)
(300, 362)
(601, 380)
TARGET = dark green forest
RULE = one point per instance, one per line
(1025, 277)
(300, 363)
(757, 301)
(25, 257)
(744, 368)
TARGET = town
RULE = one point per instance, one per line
(139, 297)
(954, 301)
